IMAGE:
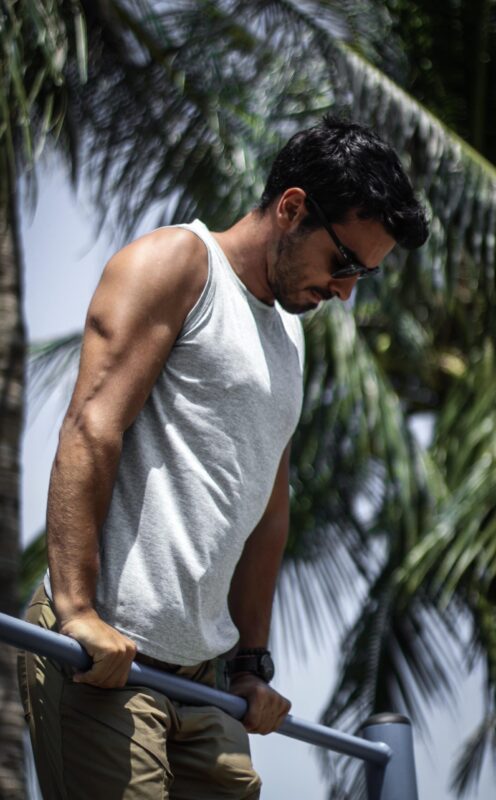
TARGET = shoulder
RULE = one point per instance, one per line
(165, 258)
(165, 268)
(168, 244)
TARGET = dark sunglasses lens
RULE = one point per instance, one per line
(355, 271)
(347, 272)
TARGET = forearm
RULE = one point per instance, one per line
(253, 584)
(81, 486)
(251, 598)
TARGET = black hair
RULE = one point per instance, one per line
(346, 166)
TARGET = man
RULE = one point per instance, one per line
(168, 502)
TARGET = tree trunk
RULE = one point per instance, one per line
(12, 352)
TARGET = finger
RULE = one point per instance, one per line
(251, 724)
(100, 672)
(121, 674)
(253, 719)
(111, 669)
(94, 677)
(280, 720)
(263, 721)
(271, 717)
(269, 723)
(275, 724)
(116, 678)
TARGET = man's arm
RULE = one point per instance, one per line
(138, 309)
(250, 602)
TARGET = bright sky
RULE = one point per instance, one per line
(62, 266)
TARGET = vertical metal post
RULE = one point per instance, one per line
(397, 780)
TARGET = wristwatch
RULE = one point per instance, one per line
(252, 659)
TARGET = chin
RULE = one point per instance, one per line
(297, 308)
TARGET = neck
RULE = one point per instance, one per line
(246, 246)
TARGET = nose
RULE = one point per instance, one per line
(343, 288)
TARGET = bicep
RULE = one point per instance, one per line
(132, 324)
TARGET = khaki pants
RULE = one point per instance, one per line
(128, 744)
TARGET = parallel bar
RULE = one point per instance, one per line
(398, 779)
(30, 637)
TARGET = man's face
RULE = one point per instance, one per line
(301, 275)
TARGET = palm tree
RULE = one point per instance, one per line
(370, 509)
(33, 46)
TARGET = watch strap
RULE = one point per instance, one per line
(251, 659)
(252, 651)
(245, 663)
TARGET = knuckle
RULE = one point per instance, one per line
(259, 691)
(250, 722)
(117, 652)
(106, 657)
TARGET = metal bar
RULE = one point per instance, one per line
(30, 637)
(398, 779)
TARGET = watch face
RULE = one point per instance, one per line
(266, 667)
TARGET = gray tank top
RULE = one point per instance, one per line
(197, 469)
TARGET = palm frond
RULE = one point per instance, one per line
(52, 367)
(458, 183)
(353, 441)
(356, 475)
(472, 755)
(36, 38)
(33, 566)
(203, 137)
(482, 651)
(460, 545)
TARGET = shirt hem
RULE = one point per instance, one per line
(190, 659)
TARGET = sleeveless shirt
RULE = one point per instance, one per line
(197, 469)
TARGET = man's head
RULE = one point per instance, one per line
(346, 167)
(343, 179)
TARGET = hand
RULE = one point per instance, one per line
(112, 653)
(266, 707)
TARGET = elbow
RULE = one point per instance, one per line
(88, 436)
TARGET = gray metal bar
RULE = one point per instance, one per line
(62, 648)
(398, 780)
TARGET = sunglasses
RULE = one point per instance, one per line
(352, 268)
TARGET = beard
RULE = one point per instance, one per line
(286, 278)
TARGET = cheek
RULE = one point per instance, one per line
(301, 263)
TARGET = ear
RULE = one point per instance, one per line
(291, 209)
